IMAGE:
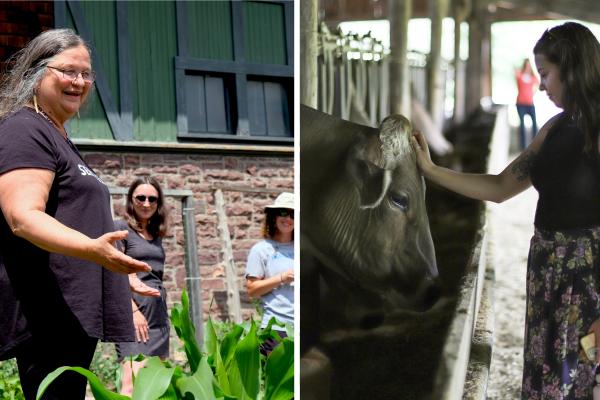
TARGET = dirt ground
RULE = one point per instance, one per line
(511, 228)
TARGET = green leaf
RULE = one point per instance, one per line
(221, 373)
(268, 332)
(180, 317)
(210, 338)
(279, 371)
(200, 384)
(152, 380)
(244, 370)
(289, 329)
(170, 394)
(229, 343)
(98, 389)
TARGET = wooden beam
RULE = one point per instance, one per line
(233, 292)
(309, 52)
(460, 10)
(435, 74)
(399, 87)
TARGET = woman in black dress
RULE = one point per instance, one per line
(147, 225)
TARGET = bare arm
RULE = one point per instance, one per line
(23, 197)
(258, 287)
(511, 181)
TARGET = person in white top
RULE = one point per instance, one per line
(270, 267)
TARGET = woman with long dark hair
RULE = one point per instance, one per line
(563, 165)
(147, 222)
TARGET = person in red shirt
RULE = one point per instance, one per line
(527, 84)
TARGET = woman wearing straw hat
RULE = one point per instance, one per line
(270, 267)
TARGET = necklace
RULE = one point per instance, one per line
(47, 118)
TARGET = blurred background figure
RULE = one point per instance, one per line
(146, 222)
(270, 267)
(527, 84)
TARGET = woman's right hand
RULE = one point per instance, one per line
(106, 254)
(287, 276)
(141, 327)
(139, 287)
(419, 145)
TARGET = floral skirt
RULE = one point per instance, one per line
(563, 299)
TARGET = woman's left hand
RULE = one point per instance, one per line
(595, 327)
(139, 287)
(141, 327)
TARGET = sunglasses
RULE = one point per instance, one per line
(282, 212)
(141, 198)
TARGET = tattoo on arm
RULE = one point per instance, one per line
(523, 166)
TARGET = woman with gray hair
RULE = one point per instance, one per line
(63, 284)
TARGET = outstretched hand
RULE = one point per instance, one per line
(141, 288)
(419, 145)
(106, 254)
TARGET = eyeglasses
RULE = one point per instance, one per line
(71, 75)
(283, 212)
(142, 199)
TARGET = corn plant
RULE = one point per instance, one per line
(229, 367)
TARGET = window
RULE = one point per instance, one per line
(269, 108)
(208, 99)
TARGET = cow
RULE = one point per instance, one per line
(365, 246)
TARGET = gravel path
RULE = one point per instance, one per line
(510, 230)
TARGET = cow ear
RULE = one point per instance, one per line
(368, 179)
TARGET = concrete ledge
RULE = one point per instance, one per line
(478, 371)
(464, 367)
(452, 371)
(173, 147)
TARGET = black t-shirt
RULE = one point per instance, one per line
(51, 291)
(567, 180)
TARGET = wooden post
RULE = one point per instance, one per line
(436, 79)
(309, 52)
(233, 293)
(479, 62)
(460, 10)
(399, 87)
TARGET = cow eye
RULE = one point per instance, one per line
(400, 201)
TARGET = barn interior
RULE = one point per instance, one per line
(445, 352)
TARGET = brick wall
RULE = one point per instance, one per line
(200, 173)
(21, 21)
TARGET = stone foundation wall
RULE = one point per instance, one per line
(202, 173)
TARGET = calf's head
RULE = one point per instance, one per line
(382, 231)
